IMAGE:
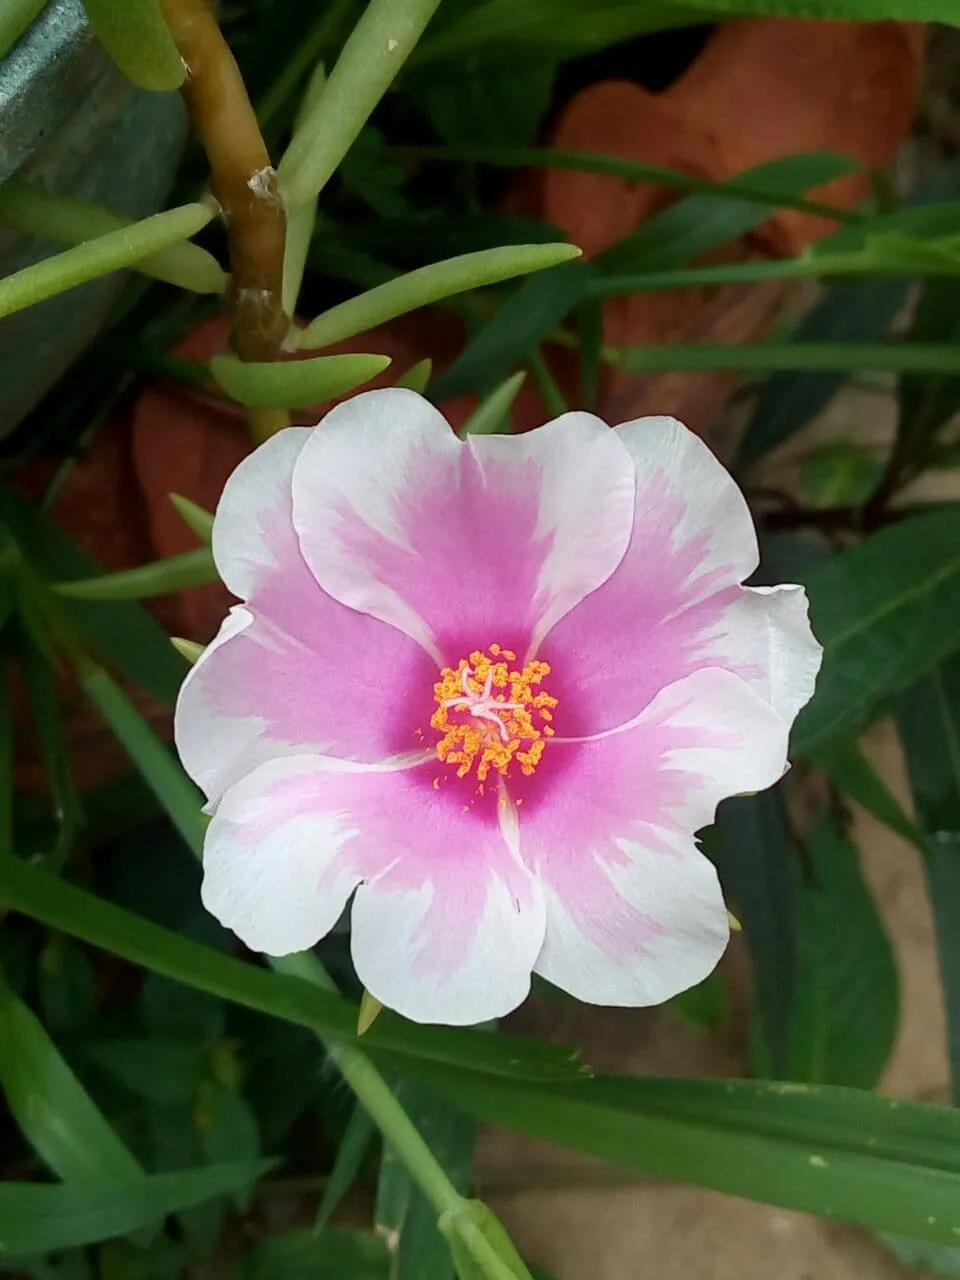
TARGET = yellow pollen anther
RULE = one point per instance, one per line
(490, 714)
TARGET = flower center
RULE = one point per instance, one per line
(489, 713)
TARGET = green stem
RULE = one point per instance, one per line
(375, 51)
(553, 398)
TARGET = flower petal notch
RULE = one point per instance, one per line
(482, 695)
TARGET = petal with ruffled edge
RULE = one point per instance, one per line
(675, 603)
(634, 910)
(447, 922)
(764, 637)
(296, 671)
(460, 544)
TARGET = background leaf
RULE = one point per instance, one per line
(41, 1219)
(53, 1110)
(756, 860)
(929, 721)
(843, 1153)
(885, 611)
(845, 1008)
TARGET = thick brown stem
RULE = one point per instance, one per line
(242, 178)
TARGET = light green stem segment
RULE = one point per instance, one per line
(179, 797)
(125, 247)
(378, 1099)
(136, 36)
(196, 519)
(301, 218)
(430, 284)
(159, 578)
(377, 48)
(67, 220)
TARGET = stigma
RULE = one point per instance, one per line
(492, 715)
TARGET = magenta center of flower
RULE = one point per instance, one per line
(491, 713)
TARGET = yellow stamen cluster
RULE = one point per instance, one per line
(490, 714)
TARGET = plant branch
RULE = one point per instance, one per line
(242, 178)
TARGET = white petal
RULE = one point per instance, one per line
(765, 638)
(274, 870)
(252, 530)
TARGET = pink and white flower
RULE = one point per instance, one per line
(488, 690)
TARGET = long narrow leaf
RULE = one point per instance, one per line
(842, 1153)
(51, 1107)
(82, 915)
(43, 1219)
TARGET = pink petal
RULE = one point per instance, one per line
(296, 671)
(460, 544)
(653, 621)
(447, 922)
(634, 910)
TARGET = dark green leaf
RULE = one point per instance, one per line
(840, 475)
(775, 194)
(705, 1006)
(121, 632)
(885, 611)
(927, 402)
(518, 328)
(338, 1254)
(182, 1013)
(845, 1006)
(351, 1153)
(40, 685)
(699, 223)
(72, 910)
(929, 719)
(66, 985)
(486, 105)
(51, 1107)
(41, 1219)
(562, 28)
(757, 865)
(855, 777)
(859, 312)
(844, 10)
(164, 1072)
(228, 1128)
